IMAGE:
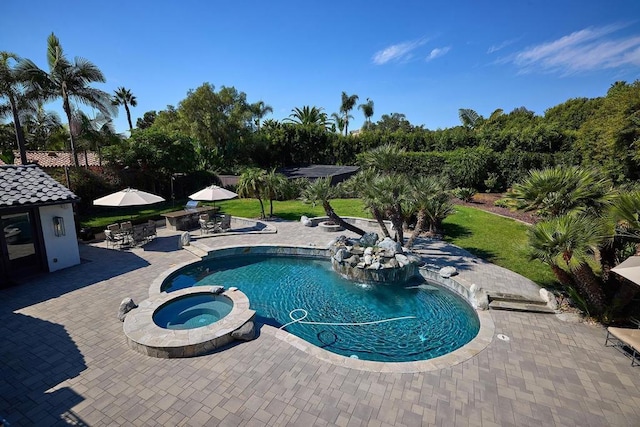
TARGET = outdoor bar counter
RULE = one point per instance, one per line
(184, 220)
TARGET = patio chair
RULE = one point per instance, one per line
(150, 229)
(126, 226)
(625, 340)
(113, 239)
(114, 228)
(206, 226)
(225, 224)
(139, 235)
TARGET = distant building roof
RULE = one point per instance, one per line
(58, 159)
(313, 172)
(31, 186)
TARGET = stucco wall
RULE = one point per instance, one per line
(62, 251)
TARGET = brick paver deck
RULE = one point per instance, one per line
(64, 360)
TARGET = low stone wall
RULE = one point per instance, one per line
(358, 222)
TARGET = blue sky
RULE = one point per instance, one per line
(423, 59)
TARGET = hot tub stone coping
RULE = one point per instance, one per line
(145, 336)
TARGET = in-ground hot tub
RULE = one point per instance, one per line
(192, 311)
(186, 323)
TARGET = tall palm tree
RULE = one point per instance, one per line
(338, 121)
(12, 88)
(251, 184)
(392, 195)
(259, 110)
(363, 182)
(367, 110)
(122, 96)
(69, 81)
(321, 192)
(347, 104)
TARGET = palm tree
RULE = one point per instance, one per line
(469, 118)
(12, 88)
(384, 158)
(572, 239)
(338, 122)
(392, 194)
(251, 184)
(274, 184)
(431, 204)
(348, 102)
(321, 192)
(367, 110)
(39, 125)
(557, 191)
(69, 81)
(309, 116)
(124, 97)
(259, 110)
(363, 183)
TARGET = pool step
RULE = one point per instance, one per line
(513, 302)
(195, 250)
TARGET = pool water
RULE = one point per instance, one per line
(429, 320)
(192, 311)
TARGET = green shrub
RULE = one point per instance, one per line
(464, 193)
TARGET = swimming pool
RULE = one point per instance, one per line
(396, 322)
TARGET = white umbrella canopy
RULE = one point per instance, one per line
(629, 269)
(213, 193)
(128, 197)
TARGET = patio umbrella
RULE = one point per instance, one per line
(128, 197)
(213, 193)
(629, 269)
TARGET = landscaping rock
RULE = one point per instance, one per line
(340, 255)
(402, 260)
(126, 306)
(217, 290)
(246, 332)
(306, 221)
(390, 246)
(368, 239)
(448, 271)
(185, 239)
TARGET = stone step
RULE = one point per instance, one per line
(501, 296)
(520, 306)
(195, 250)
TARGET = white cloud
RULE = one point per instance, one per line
(584, 50)
(494, 48)
(437, 52)
(397, 52)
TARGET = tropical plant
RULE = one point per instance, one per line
(367, 110)
(347, 104)
(274, 186)
(338, 121)
(429, 201)
(469, 118)
(125, 98)
(557, 191)
(259, 110)
(384, 159)
(309, 116)
(389, 193)
(39, 125)
(12, 88)
(252, 184)
(464, 193)
(572, 239)
(69, 81)
(321, 192)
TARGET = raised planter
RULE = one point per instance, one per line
(329, 226)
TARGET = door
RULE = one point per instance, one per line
(19, 247)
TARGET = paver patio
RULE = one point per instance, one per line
(64, 360)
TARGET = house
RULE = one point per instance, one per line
(337, 174)
(37, 227)
(59, 159)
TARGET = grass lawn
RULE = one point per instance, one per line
(499, 240)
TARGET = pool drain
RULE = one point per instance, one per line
(503, 337)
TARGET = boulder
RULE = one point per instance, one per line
(368, 259)
(447, 271)
(549, 298)
(217, 290)
(246, 332)
(375, 265)
(353, 260)
(340, 255)
(126, 306)
(368, 239)
(184, 240)
(390, 246)
(306, 221)
(392, 263)
(368, 251)
(402, 260)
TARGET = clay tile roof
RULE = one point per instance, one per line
(57, 159)
(31, 186)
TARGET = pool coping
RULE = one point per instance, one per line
(483, 338)
(144, 336)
